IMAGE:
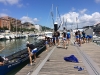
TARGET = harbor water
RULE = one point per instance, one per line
(8, 47)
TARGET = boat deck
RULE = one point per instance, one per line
(52, 63)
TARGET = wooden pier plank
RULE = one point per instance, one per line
(57, 65)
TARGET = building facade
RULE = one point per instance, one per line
(15, 22)
(4, 22)
(8, 21)
(38, 27)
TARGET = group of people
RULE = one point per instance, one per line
(57, 37)
(81, 37)
(66, 35)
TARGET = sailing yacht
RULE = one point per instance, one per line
(2, 37)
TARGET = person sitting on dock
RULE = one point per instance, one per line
(32, 51)
(1, 61)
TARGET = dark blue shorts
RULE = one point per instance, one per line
(68, 37)
(34, 50)
(77, 36)
(64, 38)
(46, 42)
(90, 36)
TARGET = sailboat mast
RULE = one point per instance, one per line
(16, 26)
(66, 24)
(56, 14)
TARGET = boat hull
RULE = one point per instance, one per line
(20, 59)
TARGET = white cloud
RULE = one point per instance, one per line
(35, 20)
(28, 19)
(97, 1)
(3, 1)
(12, 2)
(9, 1)
(83, 19)
(83, 11)
(70, 17)
(3, 14)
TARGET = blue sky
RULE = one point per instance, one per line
(38, 11)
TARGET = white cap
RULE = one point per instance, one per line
(55, 23)
(27, 42)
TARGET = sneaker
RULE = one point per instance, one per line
(30, 64)
(80, 69)
(79, 45)
(76, 67)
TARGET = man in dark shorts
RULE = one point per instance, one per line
(83, 36)
(64, 37)
(32, 51)
(57, 38)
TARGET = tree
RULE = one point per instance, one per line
(5, 28)
(12, 27)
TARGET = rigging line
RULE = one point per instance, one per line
(66, 24)
(52, 17)
(48, 17)
(59, 18)
(52, 14)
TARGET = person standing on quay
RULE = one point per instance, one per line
(64, 37)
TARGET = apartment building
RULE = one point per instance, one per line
(4, 22)
(15, 22)
(8, 21)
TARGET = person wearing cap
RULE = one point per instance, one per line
(32, 51)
